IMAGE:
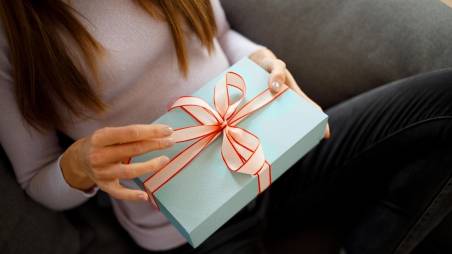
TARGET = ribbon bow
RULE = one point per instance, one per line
(241, 150)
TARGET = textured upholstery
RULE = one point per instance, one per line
(340, 48)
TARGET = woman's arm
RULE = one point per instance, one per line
(234, 45)
(61, 180)
(33, 155)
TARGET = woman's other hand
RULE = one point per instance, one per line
(98, 159)
(279, 76)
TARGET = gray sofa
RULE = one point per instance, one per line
(336, 49)
(341, 48)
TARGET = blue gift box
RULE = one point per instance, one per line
(205, 194)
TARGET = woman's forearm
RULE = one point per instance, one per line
(49, 188)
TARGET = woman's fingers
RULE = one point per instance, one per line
(130, 171)
(277, 69)
(131, 133)
(116, 190)
(117, 153)
(103, 151)
(279, 75)
(107, 179)
(290, 81)
(327, 133)
(293, 84)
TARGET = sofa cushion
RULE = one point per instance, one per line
(340, 48)
(27, 227)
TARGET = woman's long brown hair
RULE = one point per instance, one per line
(45, 74)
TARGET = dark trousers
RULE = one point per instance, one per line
(379, 185)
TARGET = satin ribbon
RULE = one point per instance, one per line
(241, 150)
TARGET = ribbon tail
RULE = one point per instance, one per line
(264, 177)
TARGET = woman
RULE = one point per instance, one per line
(97, 71)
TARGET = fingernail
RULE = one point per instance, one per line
(167, 130)
(326, 132)
(168, 142)
(143, 196)
(164, 160)
(275, 86)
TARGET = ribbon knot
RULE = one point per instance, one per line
(224, 124)
(241, 150)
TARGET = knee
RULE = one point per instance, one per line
(439, 79)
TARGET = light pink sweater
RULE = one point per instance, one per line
(140, 76)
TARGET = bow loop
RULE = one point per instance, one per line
(223, 102)
(241, 151)
(198, 109)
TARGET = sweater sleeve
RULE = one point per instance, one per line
(33, 155)
(235, 45)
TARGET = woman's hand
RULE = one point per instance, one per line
(97, 159)
(279, 75)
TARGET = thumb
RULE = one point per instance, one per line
(277, 71)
